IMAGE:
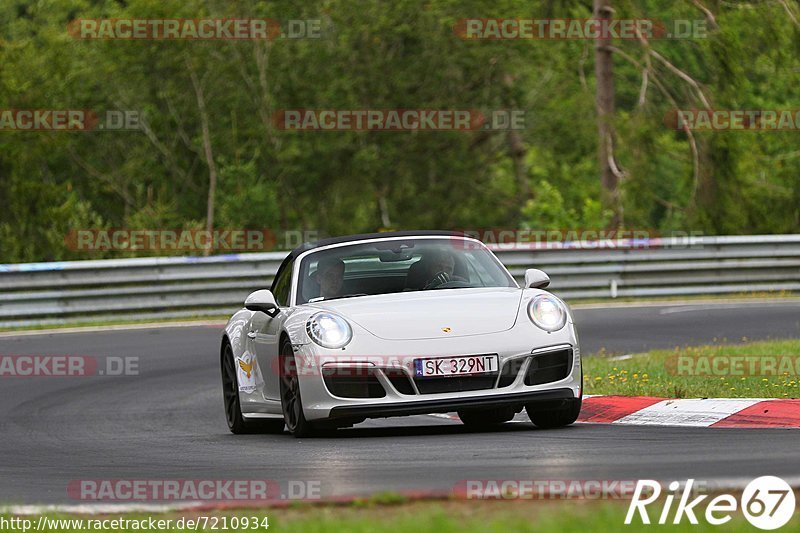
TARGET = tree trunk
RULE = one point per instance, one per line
(212, 167)
(604, 100)
(516, 149)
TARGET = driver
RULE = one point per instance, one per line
(440, 269)
(330, 276)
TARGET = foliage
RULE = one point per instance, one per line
(386, 55)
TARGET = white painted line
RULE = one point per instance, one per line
(689, 412)
(739, 483)
(100, 508)
(120, 327)
(767, 302)
(707, 307)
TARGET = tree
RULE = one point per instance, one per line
(604, 70)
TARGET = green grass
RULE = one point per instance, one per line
(655, 373)
(454, 516)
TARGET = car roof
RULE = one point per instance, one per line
(370, 236)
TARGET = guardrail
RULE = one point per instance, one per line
(173, 287)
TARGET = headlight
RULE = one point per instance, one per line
(547, 312)
(329, 330)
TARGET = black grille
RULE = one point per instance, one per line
(510, 371)
(455, 383)
(549, 367)
(399, 380)
(352, 383)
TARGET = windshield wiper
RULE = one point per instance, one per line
(321, 298)
(348, 296)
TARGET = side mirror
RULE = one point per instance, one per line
(536, 279)
(263, 301)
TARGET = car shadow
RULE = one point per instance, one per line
(362, 432)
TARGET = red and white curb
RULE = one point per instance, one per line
(700, 412)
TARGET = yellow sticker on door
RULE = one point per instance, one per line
(247, 373)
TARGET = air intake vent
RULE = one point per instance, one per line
(510, 371)
(399, 380)
(352, 382)
(549, 367)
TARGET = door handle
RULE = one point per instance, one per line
(251, 334)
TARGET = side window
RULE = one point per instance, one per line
(283, 284)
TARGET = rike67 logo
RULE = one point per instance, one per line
(767, 502)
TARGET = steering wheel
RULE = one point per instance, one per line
(455, 284)
(445, 280)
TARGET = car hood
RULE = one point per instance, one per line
(431, 314)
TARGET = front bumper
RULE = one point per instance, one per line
(319, 402)
(547, 399)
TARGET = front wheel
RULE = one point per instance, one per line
(291, 402)
(555, 418)
(233, 408)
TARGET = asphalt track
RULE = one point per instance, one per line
(168, 423)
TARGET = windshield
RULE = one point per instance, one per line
(384, 267)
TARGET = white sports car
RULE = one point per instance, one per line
(391, 324)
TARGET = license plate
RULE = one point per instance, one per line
(455, 366)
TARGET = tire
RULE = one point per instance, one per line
(291, 401)
(233, 408)
(555, 418)
(486, 418)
